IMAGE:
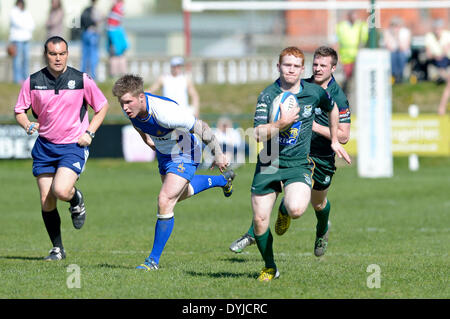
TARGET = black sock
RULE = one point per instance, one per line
(52, 223)
(75, 199)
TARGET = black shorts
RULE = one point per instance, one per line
(323, 171)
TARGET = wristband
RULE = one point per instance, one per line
(92, 135)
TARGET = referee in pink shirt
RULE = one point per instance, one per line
(58, 96)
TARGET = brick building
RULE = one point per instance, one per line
(309, 28)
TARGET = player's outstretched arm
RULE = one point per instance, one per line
(343, 131)
(333, 117)
(203, 130)
(146, 138)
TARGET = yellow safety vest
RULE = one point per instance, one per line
(350, 39)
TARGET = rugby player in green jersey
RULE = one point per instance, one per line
(324, 64)
(284, 163)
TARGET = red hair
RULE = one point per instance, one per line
(292, 51)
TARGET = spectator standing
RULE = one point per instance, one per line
(437, 48)
(90, 37)
(231, 141)
(117, 42)
(21, 32)
(352, 34)
(55, 20)
(397, 39)
(178, 86)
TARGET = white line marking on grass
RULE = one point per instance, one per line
(246, 253)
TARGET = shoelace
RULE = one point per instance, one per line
(265, 274)
(55, 251)
(151, 263)
(283, 221)
(320, 242)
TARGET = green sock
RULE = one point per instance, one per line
(265, 247)
(322, 220)
(251, 231)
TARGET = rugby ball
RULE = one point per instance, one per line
(288, 99)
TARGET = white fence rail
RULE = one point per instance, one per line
(203, 70)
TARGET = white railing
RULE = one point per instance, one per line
(203, 70)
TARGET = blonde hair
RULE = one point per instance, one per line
(128, 83)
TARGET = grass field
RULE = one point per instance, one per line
(401, 224)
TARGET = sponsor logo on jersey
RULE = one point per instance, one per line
(307, 111)
(290, 136)
(181, 168)
(71, 84)
(161, 138)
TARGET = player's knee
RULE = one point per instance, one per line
(259, 220)
(318, 206)
(260, 224)
(162, 200)
(63, 193)
(165, 202)
(297, 213)
(294, 210)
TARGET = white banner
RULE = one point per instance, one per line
(15, 143)
(374, 111)
(133, 147)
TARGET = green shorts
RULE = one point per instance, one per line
(269, 179)
(323, 171)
